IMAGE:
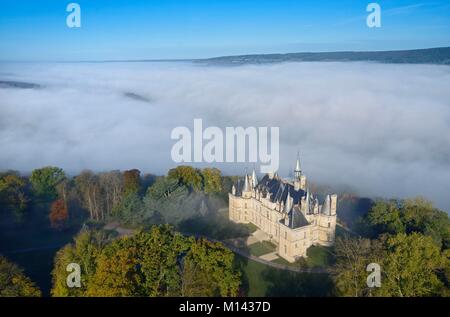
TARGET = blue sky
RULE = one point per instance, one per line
(159, 29)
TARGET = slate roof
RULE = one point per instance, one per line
(279, 189)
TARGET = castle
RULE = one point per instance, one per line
(286, 211)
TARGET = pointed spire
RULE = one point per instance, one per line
(307, 201)
(288, 205)
(298, 170)
(246, 184)
(233, 190)
(254, 179)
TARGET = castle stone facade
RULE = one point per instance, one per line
(285, 210)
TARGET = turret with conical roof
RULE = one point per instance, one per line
(326, 208)
(247, 190)
(288, 205)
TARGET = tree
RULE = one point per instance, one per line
(386, 215)
(130, 209)
(84, 250)
(187, 176)
(13, 193)
(88, 186)
(172, 201)
(45, 180)
(212, 180)
(142, 265)
(58, 214)
(410, 266)
(166, 188)
(352, 258)
(111, 184)
(132, 181)
(421, 216)
(14, 283)
(160, 262)
(208, 271)
(410, 215)
(117, 270)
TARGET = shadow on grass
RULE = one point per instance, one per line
(259, 280)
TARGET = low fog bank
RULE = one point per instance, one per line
(383, 130)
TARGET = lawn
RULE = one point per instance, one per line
(318, 256)
(261, 280)
(261, 248)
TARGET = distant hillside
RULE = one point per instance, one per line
(439, 56)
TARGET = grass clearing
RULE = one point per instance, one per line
(261, 248)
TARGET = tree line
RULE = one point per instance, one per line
(106, 195)
(409, 239)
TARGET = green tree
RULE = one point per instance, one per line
(130, 209)
(421, 216)
(14, 283)
(160, 262)
(84, 251)
(171, 202)
(45, 180)
(208, 271)
(188, 176)
(13, 193)
(212, 180)
(352, 257)
(387, 217)
(410, 215)
(131, 182)
(166, 188)
(117, 270)
(410, 266)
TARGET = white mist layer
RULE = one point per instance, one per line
(383, 130)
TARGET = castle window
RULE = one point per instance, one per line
(285, 235)
(329, 225)
(285, 249)
(296, 246)
(304, 235)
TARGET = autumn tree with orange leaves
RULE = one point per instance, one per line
(58, 214)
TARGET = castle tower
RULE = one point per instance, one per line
(326, 208)
(333, 202)
(299, 178)
(247, 190)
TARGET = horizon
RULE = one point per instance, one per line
(175, 29)
(219, 56)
